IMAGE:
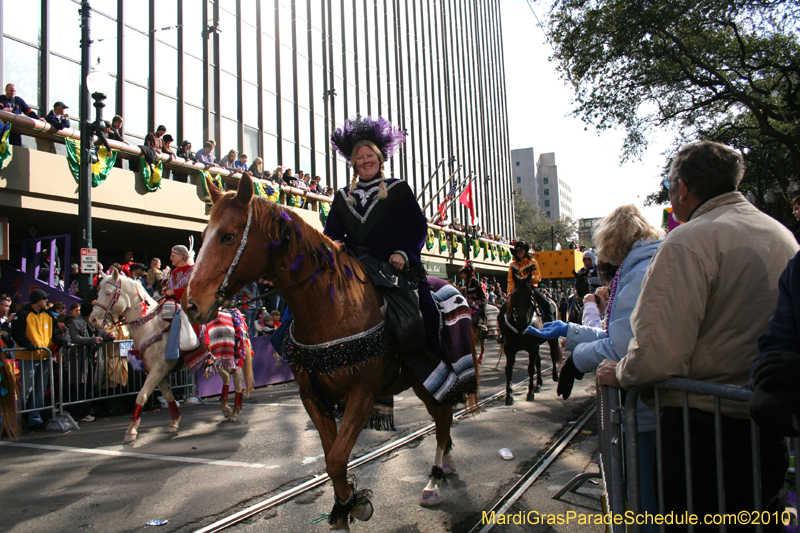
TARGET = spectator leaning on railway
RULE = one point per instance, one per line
(14, 104)
(205, 155)
(58, 116)
(86, 341)
(708, 295)
(626, 239)
(33, 328)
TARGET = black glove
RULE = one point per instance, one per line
(777, 371)
(774, 409)
(569, 373)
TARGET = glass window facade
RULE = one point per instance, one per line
(272, 78)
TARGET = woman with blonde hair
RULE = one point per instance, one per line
(627, 240)
(257, 168)
(377, 216)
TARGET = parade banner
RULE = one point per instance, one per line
(324, 211)
(429, 240)
(5, 146)
(100, 170)
(151, 174)
(559, 263)
(216, 180)
(269, 368)
(442, 241)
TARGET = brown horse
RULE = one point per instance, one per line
(331, 299)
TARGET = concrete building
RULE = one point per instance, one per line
(540, 184)
(272, 79)
(586, 228)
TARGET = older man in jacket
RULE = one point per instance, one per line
(707, 296)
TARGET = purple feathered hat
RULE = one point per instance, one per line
(378, 130)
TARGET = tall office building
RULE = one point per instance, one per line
(272, 78)
(540, 184)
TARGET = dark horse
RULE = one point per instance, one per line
(521, 313)
(582, 287)
(332, 299)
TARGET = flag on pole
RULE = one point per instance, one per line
(466, 199)
(443, 205)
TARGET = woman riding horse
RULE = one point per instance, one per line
(336, 343)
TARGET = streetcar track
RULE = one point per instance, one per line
(529, 478)
(321, 479)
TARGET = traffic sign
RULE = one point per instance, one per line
(89, 261)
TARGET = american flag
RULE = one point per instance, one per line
(443, 205)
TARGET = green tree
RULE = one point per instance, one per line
(725, 71)
(535, 228)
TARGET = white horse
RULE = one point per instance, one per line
(118, 295)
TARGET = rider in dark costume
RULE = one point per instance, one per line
(473, 290)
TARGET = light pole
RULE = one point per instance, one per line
(98, 84)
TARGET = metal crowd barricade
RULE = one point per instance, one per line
(619, 449)
(42, 358)
(89, 373)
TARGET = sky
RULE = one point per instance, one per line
(539, 104)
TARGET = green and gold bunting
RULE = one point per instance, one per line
(454, 244)
(493, 248)
(442, 241)
(429, 240)
(258, 190)
(100, 170)
(5, 146)
(273, 191)
(324, 210)
(476, 248)
(151, 174)
(216, 180)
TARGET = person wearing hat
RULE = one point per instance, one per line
(58, 116)
(154, 140)
(379, 218)
(183, 262)
(139, 273)
(33, 329)
(523, 258)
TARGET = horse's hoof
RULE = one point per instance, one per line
(232, 418)
(529, 397)
(537, 389)
(362, 512)
(555, 378)
(430, 498)
(171, 429)
(509, 399)
(129, 438)
(448, 468)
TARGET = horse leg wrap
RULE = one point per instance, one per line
(448, 465)
(237, 402)
(224, 394)
(357, 498)
(173, 408)
(137, 413)
(430, 495)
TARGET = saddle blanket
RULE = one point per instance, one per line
(454, 376)
(221, 346)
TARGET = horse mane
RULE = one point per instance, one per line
(304, 244)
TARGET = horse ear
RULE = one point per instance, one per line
(114, 274)
(213, 191)
(245, 193)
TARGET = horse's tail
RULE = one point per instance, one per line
(249, 380)
(8, 401)
(472, 397)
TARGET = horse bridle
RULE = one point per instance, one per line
(108, 317)
(220, 294)
(114, 300)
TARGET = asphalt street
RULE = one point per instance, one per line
(88, 480)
